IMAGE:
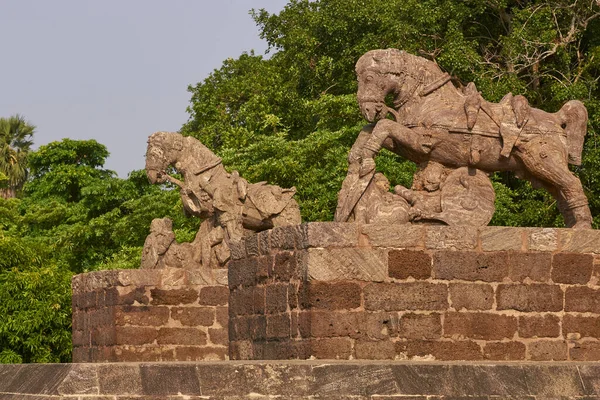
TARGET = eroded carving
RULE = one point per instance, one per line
(228, 205)
(457, 138)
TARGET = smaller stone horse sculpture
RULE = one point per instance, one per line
(227, 203)
(435, 124)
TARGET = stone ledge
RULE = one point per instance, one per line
(300, 380)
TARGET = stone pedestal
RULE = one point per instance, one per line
(347, 291)
(298, 380)
(150, 315)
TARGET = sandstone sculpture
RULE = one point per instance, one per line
(228, 205)
(457, 138)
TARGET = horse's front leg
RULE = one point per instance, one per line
(546, 160)
(396, 138)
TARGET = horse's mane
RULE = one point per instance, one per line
(397, 62)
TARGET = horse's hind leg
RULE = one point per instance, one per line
(546, 160)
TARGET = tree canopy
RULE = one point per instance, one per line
(15, 142)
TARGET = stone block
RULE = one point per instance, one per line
(539, 326)
(218, 336)
(278, 326)
(585, 326)
(420, 326)
(406, 296)
(259, 300)
(337, 295)
(241, 301)
(237, 249)
(173, 277)
(202, 353)
(471, 296)
(587, 350)
(403, 264)
(214, 296)
(285, 267)
(141, 315)
(173, 296)
(482, 326)
(504, 351)
(134, 277)
(242, 272)
(169, 379)
(181, 336)
(264, 267)
(347, 264)
(194, 316)
(276, 298)
(542, 239)
(440, 350)
(374, 350)
(252, 246)
(331, 348)
(395, 236)
(529, 298)
(135, 335)
(470, 266)
(579, 240)
(323, 324)
(451, 238)
(332, 234)
(533, 265)
(383, 325)
(572, 268)
(117, 379)
(222, 315)
(501, 238)
(582, 299)
(547, 350)
(125, 295)
(288, 237)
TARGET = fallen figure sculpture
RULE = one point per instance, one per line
(228, 205)
(457, 138)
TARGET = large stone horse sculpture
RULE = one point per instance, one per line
(434, 123)
(228, 205)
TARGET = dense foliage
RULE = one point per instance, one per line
(289, 119)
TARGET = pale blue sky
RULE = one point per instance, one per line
(116, 70)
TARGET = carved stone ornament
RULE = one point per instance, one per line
(457, 138)
(228, 205)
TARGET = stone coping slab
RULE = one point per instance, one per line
(301, 380)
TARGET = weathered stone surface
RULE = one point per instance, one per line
(482, 326)
(394, 236)
(299, 380)
(471, 296)
(579, 240)
(582, 299)
(504, 351)
(347, 264)
(500, 238)
(173, 296)
(470, 265)
(533, 265)
(547, 325)
(332, 295)
(143, 316)
(451, 238)
(548, 350)
(420, 326)
(572, 268)
(332, 234)
(584, 326)
(542, 239)
(194, 316)
(409, 263)
(406, 296)
(529, 298)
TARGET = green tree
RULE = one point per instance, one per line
(15, 143)
(253, 109)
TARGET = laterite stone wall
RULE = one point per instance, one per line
(150, 315)
(348, 291)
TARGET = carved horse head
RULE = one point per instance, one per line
(186, 154)
(392, 71)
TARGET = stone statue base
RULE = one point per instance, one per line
(349, 291)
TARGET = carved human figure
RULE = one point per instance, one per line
(228, 205)
(433, 121)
